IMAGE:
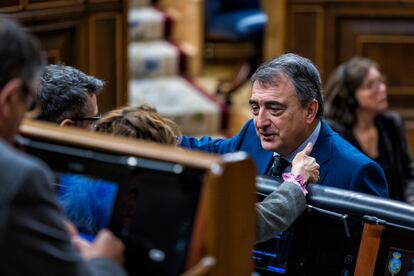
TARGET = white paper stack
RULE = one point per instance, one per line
(152, 59)
(145, 24)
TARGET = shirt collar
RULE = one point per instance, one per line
(312, 139)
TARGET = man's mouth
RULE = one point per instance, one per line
(268, 136)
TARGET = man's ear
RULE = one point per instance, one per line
(311, 110)
(66, 122)
(7, 94)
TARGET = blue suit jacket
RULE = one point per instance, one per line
(341, 164)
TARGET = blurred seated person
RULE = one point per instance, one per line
(34, 238)
(67, 96)
(357, 107)
(275, 214)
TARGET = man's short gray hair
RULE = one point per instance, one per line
(64, 93)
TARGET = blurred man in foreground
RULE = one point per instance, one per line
(33, 237)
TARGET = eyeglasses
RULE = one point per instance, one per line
(375, 84)
(92, 120)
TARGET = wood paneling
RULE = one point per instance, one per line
(10, 5)
(102, 1)
(59, 41)
(378, 47)
(307, 43)
(46, 4)
(332, 31)
(85, 34)
(274, 38)
(106, 29)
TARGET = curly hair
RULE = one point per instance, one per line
(141, 122)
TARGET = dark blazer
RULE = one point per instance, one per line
(33, 239)
(394, 155)
(341, 164)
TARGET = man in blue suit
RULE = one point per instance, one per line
(287, 108)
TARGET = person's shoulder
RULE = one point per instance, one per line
(335, 126)
(249, 125)
(391, 117)
(247, 131)
(345, 151)
(12, 157)
(17, 165)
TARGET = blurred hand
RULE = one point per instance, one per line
(77, 241)
(305, 165)
(70, 228)
(106, 246)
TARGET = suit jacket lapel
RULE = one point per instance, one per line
(265, 159)
(322, 150)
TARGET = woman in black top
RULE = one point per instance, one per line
(356, 107)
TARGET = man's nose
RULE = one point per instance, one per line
(383, 87)
(262, 119)
(382, 90)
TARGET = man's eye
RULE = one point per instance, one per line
(275, 110)
(255, 109)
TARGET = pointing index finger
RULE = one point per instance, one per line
(308, 149)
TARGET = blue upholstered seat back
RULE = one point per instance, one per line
(234, 20)
(239, 4)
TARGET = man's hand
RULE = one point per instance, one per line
(305, 165)
(106, 246)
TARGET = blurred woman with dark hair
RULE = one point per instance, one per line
(356, 106)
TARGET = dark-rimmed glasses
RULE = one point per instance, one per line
(92, 120)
